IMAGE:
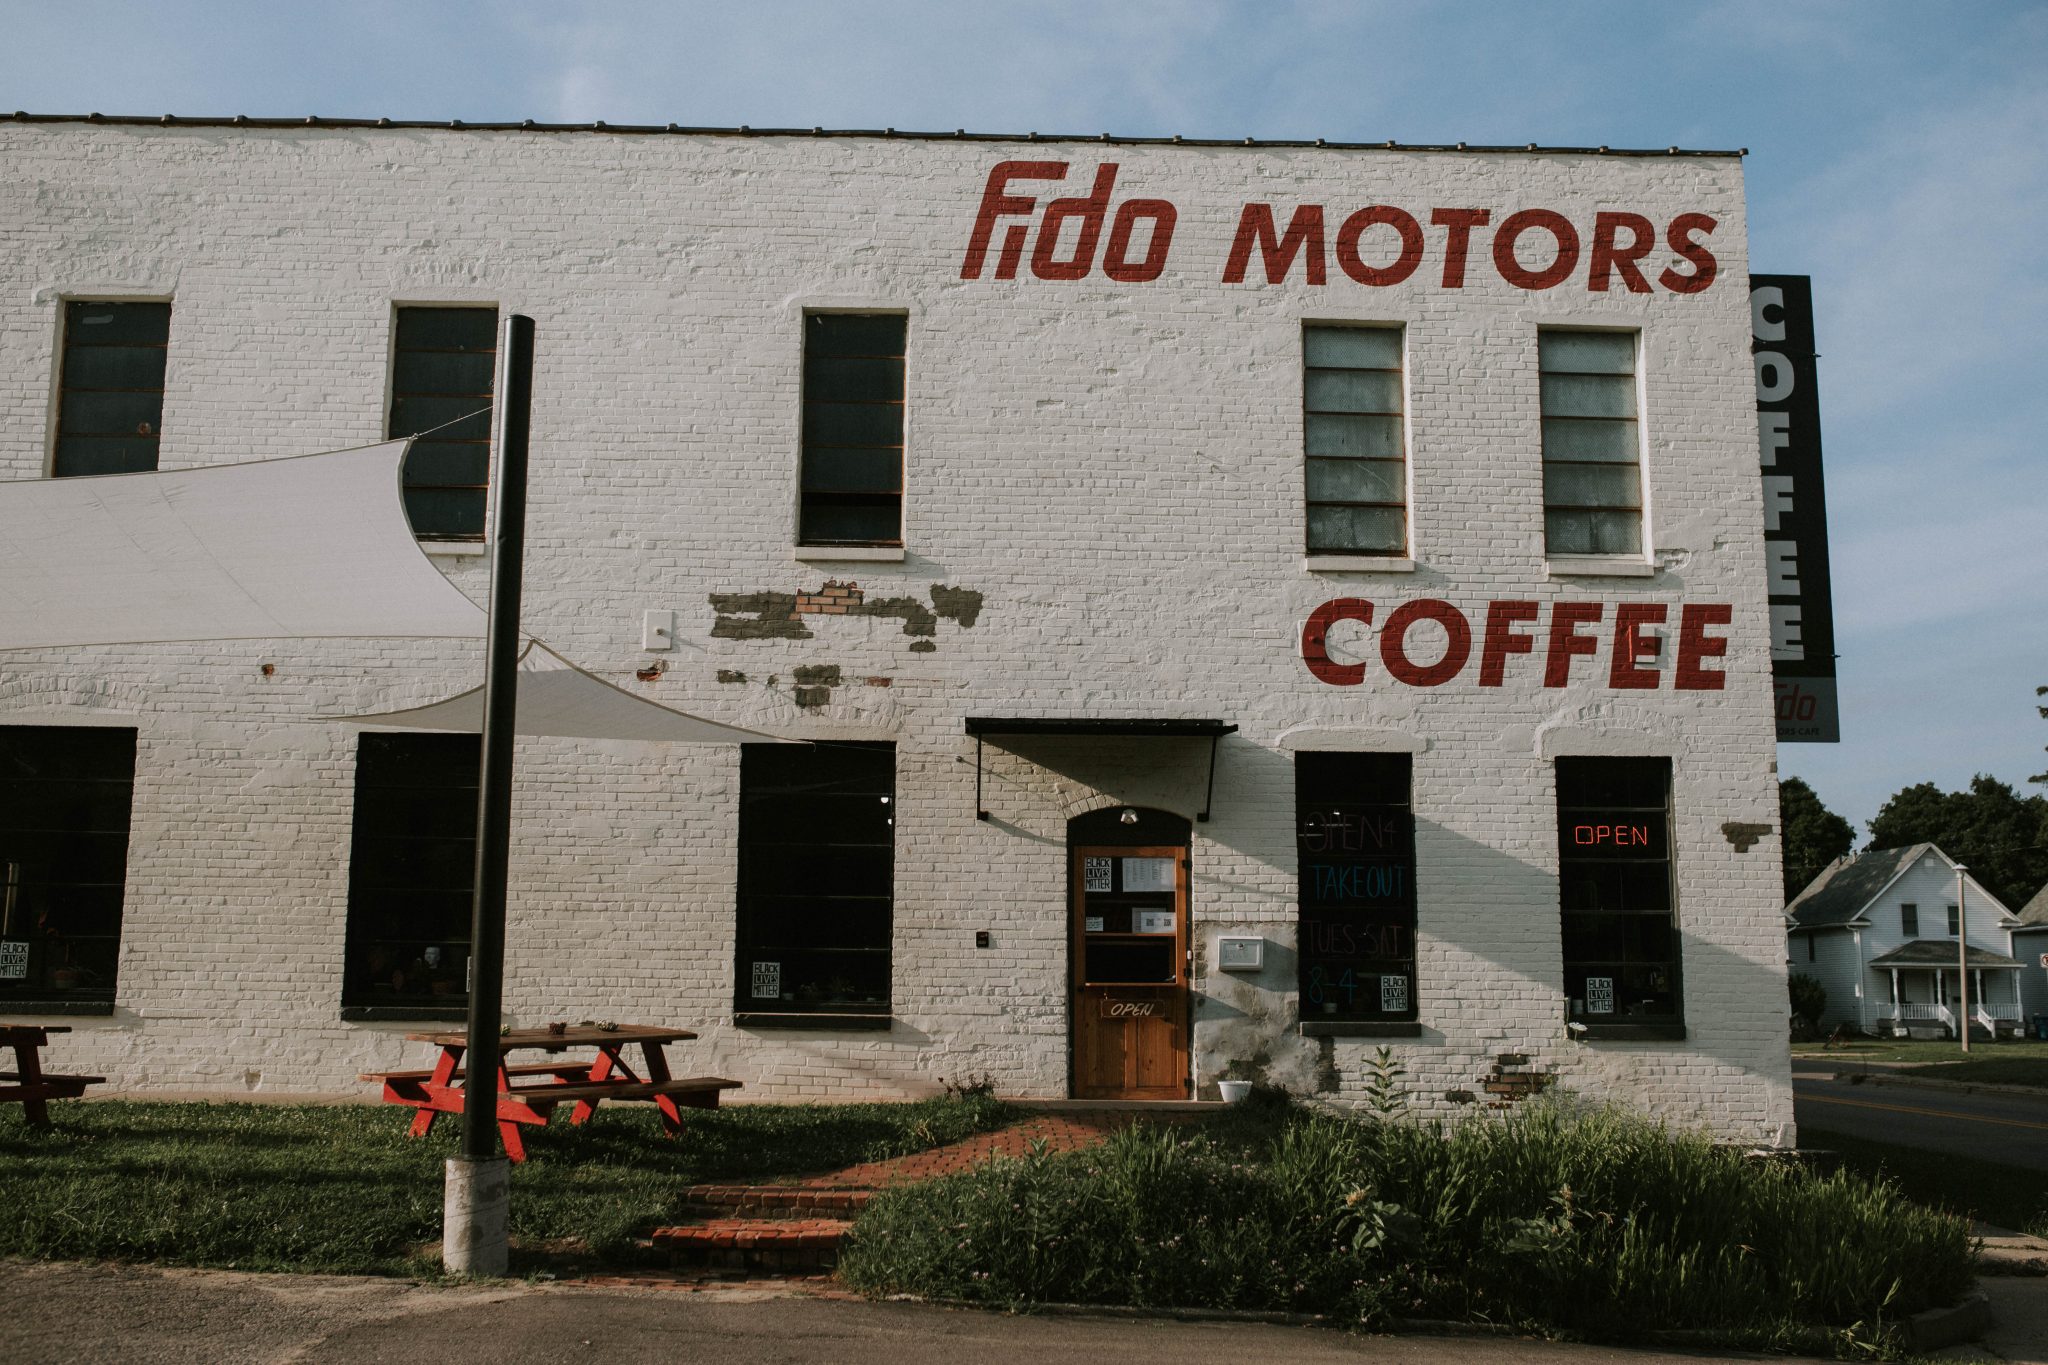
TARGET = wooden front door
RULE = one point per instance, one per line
(1130, 972)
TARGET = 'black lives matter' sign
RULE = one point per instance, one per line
(1795, 509)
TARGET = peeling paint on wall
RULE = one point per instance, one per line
(731, 675)
(814, 684)
(1742, 836)
(778, 615)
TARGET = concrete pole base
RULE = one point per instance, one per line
(475, 1206)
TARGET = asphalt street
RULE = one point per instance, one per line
(75, 1314)
(2012, 1129)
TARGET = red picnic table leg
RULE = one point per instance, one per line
(444, 1074)
(608, 1061)
(657, 1070)
(28, 1065)
(508, 1131)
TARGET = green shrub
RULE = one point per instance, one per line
(1598, 1224)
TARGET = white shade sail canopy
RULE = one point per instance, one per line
(558, 698)
(311, 546)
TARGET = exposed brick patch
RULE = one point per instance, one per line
(834, 599)
(1511, 1081)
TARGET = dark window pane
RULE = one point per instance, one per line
(852, 520)
(1615, 887)
(415, 413)
(448, 513)
(1579, 395)
(86, 455)
(868, 381)
(855, 334)
(1357, 348)
(412, 863)
(1355, 839)
(1592, 485)
(448, 329)
(853, 424)
(1585, 438)
(1352, 391)
(114, 367)
(1338, 434)
(844, 470)
(103, 413)
(470, 372)
(432, 463)
(1593, 533)
(1363, 530)
(816, 877)
(1587, 352)
(1357, 481)
(116, 324)
(65, 799)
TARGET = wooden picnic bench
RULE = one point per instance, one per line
(584, 1085)
(28, 1084)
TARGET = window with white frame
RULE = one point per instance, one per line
(1354, 445)
(851, 480)
(1592, 444)
(110, 388)
(443, 369)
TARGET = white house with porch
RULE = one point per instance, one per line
(1879, 931)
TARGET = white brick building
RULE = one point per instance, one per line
(1253, 435)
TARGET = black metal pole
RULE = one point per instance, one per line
(494, 786)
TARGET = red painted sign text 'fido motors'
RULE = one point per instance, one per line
(1376, 245)
(1511, 629)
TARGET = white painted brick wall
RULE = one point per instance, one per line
(1116, 467)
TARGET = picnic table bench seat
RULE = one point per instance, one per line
(56, 1087)
(706, 1086)
(577, 1069)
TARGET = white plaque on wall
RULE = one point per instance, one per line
(1095, 874)
(1148, 874)
(767, 980)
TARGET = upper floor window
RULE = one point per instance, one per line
(1621, 952)
(1909, 920)
(65, 795)
(1353, 445)
(443, 367)
(1955, 922)
(1592, 451)
(110, 390)
(852, 474)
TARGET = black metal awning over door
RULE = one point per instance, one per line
(985, 728)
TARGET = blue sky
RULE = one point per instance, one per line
(1899, 155)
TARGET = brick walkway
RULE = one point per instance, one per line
(795, 1227)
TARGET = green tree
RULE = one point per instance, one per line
(1814, 835)
(2000, 834)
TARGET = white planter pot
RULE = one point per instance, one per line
(1234, 1091)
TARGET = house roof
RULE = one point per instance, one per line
(1839, 894)
(1938, 952)
(2034, 914)
(954, 135)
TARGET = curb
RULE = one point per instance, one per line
(1938, 1327)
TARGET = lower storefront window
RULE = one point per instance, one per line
(1621, 953)
(1355, 834)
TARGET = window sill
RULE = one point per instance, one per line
(1626, 1033)
(374, 1014)
(1356, 564)
(1332, 1028)
(455, 547)
(1598, 566)
(868, 554)
(70, 1007)
(877, 1023)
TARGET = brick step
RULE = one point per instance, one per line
(782, 1245)
(776, 1201)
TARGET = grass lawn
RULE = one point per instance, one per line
(2004, 1196)
(340, 1188)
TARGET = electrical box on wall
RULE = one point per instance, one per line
(658, 630)
(1235, 953)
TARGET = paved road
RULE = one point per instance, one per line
(2012, 1129)
(74, 1314)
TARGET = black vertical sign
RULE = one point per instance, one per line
(1795, 509)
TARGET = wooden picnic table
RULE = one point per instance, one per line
(28, 1084)
(530, 1094)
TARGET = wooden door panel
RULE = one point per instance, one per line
(1130, 1039)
